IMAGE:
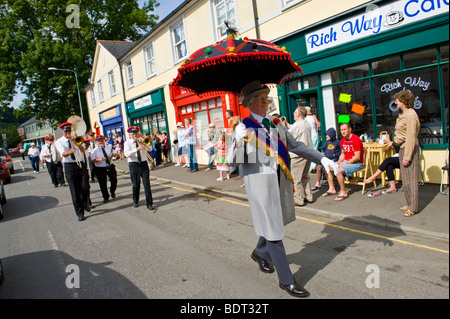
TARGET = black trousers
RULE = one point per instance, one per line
(274, 251)
(78, 180)
(140, 171)
(55, 170)
(102, 173)
(388, 165)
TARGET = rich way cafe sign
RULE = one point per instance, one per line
(374, 21)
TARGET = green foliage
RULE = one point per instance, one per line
(38, 34)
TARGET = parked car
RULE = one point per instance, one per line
(6, 158)
(2, 198)
(4, 172)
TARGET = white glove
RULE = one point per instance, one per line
(240, 132)
(327, 163)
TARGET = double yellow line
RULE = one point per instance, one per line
(312, 220)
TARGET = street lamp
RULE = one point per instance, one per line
(78, 88)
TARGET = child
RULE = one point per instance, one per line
(332, 150)
(118, 149)
(221, 161)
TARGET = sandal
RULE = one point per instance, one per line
(409, 213)
(386, 192)
(340, 198)
(375, 194)
(316, 188)
(404, 208)
(328, 194)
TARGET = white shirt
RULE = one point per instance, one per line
(62, 145)
(46, 150)
(98, 153)
(130, 152)
(33, 151)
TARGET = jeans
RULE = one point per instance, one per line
(192, 159)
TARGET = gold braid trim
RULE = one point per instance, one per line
(269, 152)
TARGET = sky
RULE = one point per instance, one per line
(165, 7)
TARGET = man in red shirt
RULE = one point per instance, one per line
(350, 161)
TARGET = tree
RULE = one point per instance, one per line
(38, 34)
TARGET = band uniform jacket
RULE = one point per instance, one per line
(271, 200)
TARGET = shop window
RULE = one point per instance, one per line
(295, 85)
(201, 125)
(414, 59)
(386, 65)
(424, 84)
(310, 82)
(336, 76)
(352, 105)
(445, 77)
(444, 53)
(356, 72)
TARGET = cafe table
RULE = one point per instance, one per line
(376, 153)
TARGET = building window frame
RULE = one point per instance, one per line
(179, 43)
(129, 74)
(112, 83)
(150, 61)
(230, 8)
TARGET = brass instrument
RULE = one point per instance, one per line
(78, 131)
(147, 142)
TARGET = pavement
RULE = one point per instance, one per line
(382, 211)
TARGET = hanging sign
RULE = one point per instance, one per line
(374, 21)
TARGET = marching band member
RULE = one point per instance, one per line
(137, 162)
(76, 170)
(102, 156)
(52, 159)
(89, 150)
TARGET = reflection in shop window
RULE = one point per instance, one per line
(353, 99)
(356, 72)
(386, 65)
(419, 58)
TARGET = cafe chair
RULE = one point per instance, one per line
(445, 169)
(358, 177)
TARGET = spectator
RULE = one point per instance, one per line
(222, 164)
(406, 141)
(388, 165)
(315, 128)
(214, 135)
(175, 148)
(33, 155)
(301, 131)
(190, 143)
(350, 161)
(182, 141)
(332, 150)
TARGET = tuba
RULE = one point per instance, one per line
(78, 131)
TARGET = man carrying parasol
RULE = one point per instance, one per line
(261, 144)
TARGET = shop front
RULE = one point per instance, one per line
(210, 108)
(353, 66)
(112, 122)
(148, 112)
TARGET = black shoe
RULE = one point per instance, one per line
(295, 290)
(151, 207)
(80, 218)
(87, 208)
(264, 265)
(135, 205)
(55, 185)
(63, 184)
(105, 200)
(113, 195)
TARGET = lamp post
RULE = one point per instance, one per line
(78, 88)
